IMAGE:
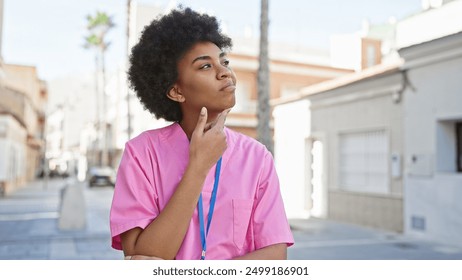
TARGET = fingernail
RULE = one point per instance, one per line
(203, 111)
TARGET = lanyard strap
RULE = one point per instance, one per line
(211, 208)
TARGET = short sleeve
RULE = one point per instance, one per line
(269, 218)
(135, 200)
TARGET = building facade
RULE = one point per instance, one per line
(433, 139)
(382, 147)
(22, 122)
(348, 133)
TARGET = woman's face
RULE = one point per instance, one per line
(205, 79)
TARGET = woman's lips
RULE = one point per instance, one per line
(230, 86)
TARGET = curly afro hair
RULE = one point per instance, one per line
(153, 61)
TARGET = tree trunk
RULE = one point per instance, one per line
(129, 117)
(264, 133)
(97, 147)
(104, 117)
(98, 26)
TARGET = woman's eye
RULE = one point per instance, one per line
(205, 66)
(226, 62)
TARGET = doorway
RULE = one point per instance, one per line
(318, 194)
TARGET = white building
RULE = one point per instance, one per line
(342, 135)
(382, 147)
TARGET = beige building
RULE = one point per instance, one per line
(23, 98)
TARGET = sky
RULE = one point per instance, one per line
(49, 34)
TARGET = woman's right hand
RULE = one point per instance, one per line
(208, 141)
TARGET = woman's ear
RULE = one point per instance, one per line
(174, 94)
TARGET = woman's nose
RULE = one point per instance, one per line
(225, 72)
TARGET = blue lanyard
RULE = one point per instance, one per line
(211, 208)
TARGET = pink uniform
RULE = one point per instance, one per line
(249, 212)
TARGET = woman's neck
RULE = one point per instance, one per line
(189, 123)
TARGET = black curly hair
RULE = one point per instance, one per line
(153, 61)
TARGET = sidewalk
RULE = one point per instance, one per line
(320, 239)
(29, 224)
(29, 230)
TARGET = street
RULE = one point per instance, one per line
(29, 230)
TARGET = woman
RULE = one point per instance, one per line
(193, 189)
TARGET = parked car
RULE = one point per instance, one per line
(101, 176)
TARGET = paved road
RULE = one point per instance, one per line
(29, 230)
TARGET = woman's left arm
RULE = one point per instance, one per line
(272, 252)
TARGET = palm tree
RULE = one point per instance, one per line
(98, 27)
(263, 79)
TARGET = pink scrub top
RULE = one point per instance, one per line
(249, 213)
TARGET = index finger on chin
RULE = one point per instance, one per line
(222, 118)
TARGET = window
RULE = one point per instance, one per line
(371, 55)
(449, 146)
(363, 161)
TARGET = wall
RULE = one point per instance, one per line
(433, 190)
(436, 23)
(12, 154)
(292, 127)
